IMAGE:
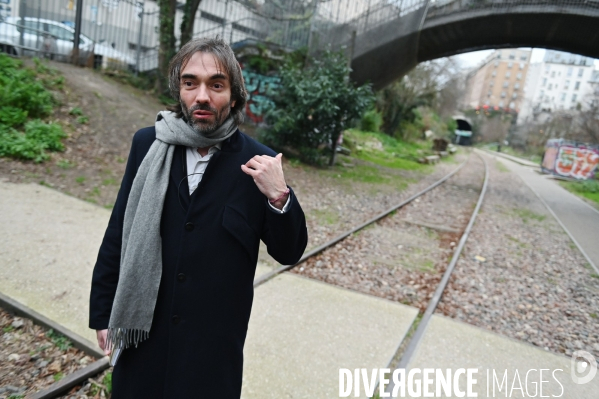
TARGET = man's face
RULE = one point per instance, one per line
(205, 93)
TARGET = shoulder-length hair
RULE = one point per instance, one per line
(224, 56)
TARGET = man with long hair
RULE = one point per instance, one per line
(172, 288)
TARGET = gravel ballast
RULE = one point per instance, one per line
(33, 358)
(398, 258)
(534, 284)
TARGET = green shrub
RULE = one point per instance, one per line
(314, 105)
(12, 116)
(32, 144)
(371, 121)
(76, 111)
(19, 89)
(24, 102)
(107, 381)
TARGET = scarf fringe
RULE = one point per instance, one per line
(122, 338)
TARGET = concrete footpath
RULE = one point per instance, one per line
(450, 344)
(301, 331)
(579, 219)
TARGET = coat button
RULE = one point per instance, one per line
(176, 319)
(189, 226)
(181, 277)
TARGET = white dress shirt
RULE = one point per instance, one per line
(197, 164)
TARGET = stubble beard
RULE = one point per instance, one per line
(203, 127)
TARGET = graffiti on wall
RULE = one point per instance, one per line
(261, 89)
(578, 163)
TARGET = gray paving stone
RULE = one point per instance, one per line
(302, 332)
(48, 250)
(452, 344)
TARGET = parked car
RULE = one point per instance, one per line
(52, 39)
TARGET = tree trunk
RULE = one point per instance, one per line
(189, 13)
(167, 42)
(334, 149)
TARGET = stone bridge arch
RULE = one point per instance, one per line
(390, 50)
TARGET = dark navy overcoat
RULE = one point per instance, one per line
(210, 244)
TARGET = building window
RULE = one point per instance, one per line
(553, 74)
(523, 57)
(494, 73)
(510, 64)
(541, 94)
(489, 93)
(516, 86)
(577, 86)
(505, 84)
(507, 74)
(544, 82)
(573, 98)
(512, 56)
(503, 94)
(550, 86)
(496, 63)
(515, 95)
(563, 97)
(519, 76)
(547, 67)
(521, 65)
(492, 84)
(501, 104)
(580, 72)
(566, 84)
(570, 69)
(512, 105)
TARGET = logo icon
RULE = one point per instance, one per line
(583, 367)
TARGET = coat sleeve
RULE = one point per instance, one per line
(285, 234)
(106, 271)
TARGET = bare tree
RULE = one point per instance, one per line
(589, 119)
(189, 12)
(166, 50)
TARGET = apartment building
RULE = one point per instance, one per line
(499, 81)
(562, 82)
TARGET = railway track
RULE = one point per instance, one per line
(312, 253)
(407, 349)
(81, 376)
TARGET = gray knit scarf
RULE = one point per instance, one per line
(141, 252)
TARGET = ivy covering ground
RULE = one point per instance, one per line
(25, 101)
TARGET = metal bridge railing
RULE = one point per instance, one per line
(441, 8)
(338, 31)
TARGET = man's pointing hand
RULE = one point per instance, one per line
(267, 173)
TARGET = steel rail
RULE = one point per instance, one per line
(268, 276)
(421, 329)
